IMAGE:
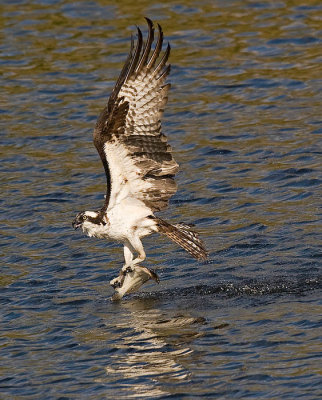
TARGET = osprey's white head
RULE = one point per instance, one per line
(91, 222)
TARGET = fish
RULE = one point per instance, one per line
(130, 280)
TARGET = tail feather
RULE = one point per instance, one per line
(184, 236)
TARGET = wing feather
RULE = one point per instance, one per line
(136, 156)
(157, 49)
(147, 47)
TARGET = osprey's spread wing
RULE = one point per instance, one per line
(136, 156)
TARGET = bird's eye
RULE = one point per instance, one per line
(85, 217)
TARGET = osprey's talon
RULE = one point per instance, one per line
(127, 269)
(117, 282)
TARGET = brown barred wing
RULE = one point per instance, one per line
(134, 151)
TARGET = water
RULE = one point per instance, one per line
(244, 118)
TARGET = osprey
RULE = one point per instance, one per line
(137, 160)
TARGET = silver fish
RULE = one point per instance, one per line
(130, 280)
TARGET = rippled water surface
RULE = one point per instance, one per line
(244, 119)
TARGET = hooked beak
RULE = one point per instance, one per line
(76, 224)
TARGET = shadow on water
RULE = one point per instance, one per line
(154, 350)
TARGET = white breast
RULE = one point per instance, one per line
(127, 217)
(93, 230)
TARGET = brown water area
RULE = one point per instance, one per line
(244, 121)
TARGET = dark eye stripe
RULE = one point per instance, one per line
(96, 220)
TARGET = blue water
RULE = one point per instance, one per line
(244, 120)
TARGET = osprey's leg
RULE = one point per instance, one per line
(138, 247)
(128, 254)
(128, 257)
(135, 245)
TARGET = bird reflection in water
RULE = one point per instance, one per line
(155, 349)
